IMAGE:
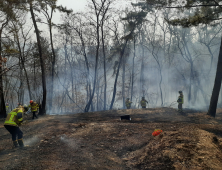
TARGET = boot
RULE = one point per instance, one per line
(21, 144)
(15, 143)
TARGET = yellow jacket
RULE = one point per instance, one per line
(128, 103)
(143, 102)
(34, 107)
(180, 99)
(15, 117)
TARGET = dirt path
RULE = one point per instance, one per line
(100, 140)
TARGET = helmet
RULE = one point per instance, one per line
(127, 98)
(180, 92)
(31, 101)
(143, 97)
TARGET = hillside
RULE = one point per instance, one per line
(101, 141)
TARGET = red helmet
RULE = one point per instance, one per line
(31, 101)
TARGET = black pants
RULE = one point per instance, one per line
(15, 131)
(143, 106)
(34, 115)
(128, 107)
(180, 107)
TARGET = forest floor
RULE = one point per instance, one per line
(101, 141)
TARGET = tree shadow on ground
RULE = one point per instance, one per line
(217, 132)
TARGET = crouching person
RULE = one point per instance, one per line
(12, 123)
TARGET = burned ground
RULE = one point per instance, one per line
(100, 140)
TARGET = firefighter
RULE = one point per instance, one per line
(180, 102)
(34, 108)
(143, 102)
(12, 123)
(25, 106)
(128, 103)
(7, 108)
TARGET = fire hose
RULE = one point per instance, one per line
(173, 103)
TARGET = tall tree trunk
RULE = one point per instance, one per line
(72, 76)
(53, 69)
(21, 84)
(191, 72)
(99, 23)
(142, 80)
(123, 82)
(217, 86)
(34, 83)
(92, 107)
(117, 74)
(87, 92)
(161, 76)
(191, 80)
(97, 96)
(42, 111)
(96, 65)
(104, 64)
(134, 55)
(2, 106)
(27, 80)
(160, 86)
(142, 83)
(87, 66)
(72, 71)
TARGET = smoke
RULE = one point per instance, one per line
(160, 75)
(31, 141)
(74, 144)
(167, 59)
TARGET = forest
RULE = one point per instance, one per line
(94, 59)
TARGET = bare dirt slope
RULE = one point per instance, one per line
(100, 141)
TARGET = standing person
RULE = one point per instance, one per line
(128, 103)
(143, 102)
(12, 123)
(34, 108)
(180, 102)
(7, 108)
